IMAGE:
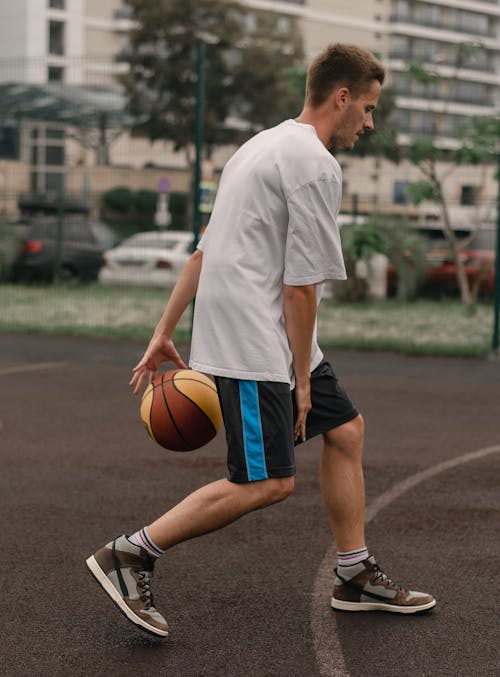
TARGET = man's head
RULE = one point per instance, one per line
(343, 86)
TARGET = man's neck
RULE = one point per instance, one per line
(320, 123)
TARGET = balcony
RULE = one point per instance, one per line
(428, 59)
(466, 27)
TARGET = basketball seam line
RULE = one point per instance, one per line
(193, 402)
(208, 385)
(170, 413)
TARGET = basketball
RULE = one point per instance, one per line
(180, 410)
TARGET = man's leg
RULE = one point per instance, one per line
(258, 420)
(342, 484)
(124, 567)
(214, 506)
(360, 585)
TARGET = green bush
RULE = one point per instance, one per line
(178, 208)
(406, 249)
(130, 211)
(119, 199)
(145, 201)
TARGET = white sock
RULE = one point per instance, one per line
(347, 559)
(143, 540)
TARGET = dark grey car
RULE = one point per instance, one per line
(71, 250)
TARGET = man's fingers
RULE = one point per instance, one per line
(138, 378)
(179, 361)
(300, 428)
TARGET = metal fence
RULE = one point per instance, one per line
(76, 184)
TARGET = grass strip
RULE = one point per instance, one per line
(440, 328)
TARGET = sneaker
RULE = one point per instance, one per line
(365, 587)
(125, 570)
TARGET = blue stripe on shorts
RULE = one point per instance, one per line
(253, 441)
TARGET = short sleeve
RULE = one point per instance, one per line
(313, 248)
(202, 242)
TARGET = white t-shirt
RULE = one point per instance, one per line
(273, 223)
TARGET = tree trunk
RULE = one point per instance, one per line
(462, 279)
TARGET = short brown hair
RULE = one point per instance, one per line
(341, 65)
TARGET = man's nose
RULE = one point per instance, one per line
(368, 124)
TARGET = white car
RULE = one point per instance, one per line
(148, 259)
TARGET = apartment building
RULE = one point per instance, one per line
(458, 40)
(70, 41)
(75, 42)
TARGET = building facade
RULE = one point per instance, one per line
(75, 42)
(456, 40)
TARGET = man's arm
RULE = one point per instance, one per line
(300, 308)
(161, 347)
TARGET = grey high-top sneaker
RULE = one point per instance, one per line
(125, 570)
(365, 587)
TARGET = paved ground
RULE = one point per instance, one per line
(253, 599)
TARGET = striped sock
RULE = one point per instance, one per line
(347, 559)
(143, 540)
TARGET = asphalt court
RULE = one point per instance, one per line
(252, 599)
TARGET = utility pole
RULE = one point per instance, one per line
(198, 138)
(198, 143)
(496, 298)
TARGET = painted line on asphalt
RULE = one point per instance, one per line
(327, 647)
(36, 366)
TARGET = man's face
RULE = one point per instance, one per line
(356, 118)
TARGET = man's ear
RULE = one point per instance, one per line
(342, 97)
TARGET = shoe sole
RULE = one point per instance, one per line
(341, 605)
(108, 587)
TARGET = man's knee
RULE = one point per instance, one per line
(276, 489)
(347, 437)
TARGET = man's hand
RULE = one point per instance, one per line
(303, 402)
(300, 307)
(160, 349)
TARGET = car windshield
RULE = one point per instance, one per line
(484, 239)
(104, 235)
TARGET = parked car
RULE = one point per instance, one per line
(441, 271)
(80, 243)
(150, 259)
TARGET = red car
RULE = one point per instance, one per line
(441, 272)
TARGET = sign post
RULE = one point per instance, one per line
(162, 216)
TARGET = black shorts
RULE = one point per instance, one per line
(259, 417)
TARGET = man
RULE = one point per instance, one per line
(258, 275)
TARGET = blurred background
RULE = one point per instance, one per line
(116, 119)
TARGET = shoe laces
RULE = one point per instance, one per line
(380, 577)
(144, 585)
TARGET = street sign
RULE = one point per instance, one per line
(163, 184)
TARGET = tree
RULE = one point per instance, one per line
(474, 144)
(246, 81)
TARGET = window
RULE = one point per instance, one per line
(54, 133)
(57, 4)
(400, 197)
(54, 155)
(55, 73)
(400, 47)
(402, 10)
(54, 181)
(9, 142)
(56, 38)
(468, 195)
(47, 155)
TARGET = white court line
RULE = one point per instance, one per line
(327, 648)
(36, 366)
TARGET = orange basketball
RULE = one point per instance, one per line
(180, 410)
